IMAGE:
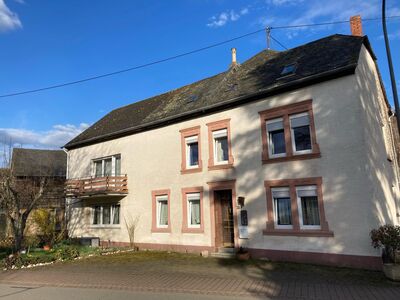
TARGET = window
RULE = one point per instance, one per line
(192, 204)
(194, 210)
(288, 133)
(220, 146)
(109, 166)
(276, 138)
(307, 201)
(191, 150)
(289, 69)
(161, 211)
(219, 141)
(106, 215)
(300, 133)
(282, 207)
(295, 207)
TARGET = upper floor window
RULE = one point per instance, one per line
(288, 133)
(107, 166)
(295, 207)
(106, 215)
(219, 140)
(191, 150)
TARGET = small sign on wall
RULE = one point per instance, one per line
(243, 229)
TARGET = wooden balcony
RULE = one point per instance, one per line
(97, 186)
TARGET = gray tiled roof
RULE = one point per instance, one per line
(320, 60)
(35, 162)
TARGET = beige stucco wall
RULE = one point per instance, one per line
(152, 161)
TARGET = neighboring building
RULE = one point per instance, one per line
(303, 137)
(34, 164)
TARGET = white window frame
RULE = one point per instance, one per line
(103, 159)
(281, 189)
(191, 140)
(295, 152)
(270, 146)
(112, 211)
(300, 209)
(159, 199)
(190, 197)
(217, 134)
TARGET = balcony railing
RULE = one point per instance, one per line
(97, 186)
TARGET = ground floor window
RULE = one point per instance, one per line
(162, 211)
(194, 209)
(106, 214)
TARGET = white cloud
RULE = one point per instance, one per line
(227, 16)
(56, 137)
(8, 19)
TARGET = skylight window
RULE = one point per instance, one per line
(289, 69)
(192, 98)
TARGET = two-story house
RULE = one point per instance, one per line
(289, 154)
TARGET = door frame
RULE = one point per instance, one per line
(218, 186)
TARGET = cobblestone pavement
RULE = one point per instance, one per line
(173, 273)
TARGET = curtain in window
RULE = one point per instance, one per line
(194, 154)
(163, 212)
(117, 165)
(195, 212)
(97, 215)
(310, 211)
(106, 214)
(283, 211)
(221, 145)
(116, 209)
(98, 168)
(107, 167)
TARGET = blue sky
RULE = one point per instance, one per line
(49, 42)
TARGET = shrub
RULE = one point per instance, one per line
(66, 252)
(31, 241)
(388, 238)
(46, 223)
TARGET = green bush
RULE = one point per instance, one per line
(388, 238)
(66, 252)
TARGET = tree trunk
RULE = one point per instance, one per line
(18, 228)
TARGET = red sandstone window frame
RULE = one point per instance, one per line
(215, 126)
(154, 194)
(186, 133)
(185, 226)
(285, 112)
(296, 230)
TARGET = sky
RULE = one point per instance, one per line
(49, 42)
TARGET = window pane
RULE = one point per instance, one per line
(277, 141)
(283, 211)
(194, 208)
(96, 215)
(107, 167)
(117, 165)
(193, 154)
(310, 211)
(163, 212)
(106, 214)
(302, 138)
(221, 149)
(98, 168)
(116, 209)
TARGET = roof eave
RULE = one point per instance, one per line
(273, 90)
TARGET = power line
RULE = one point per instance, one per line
(278, 42)
(179, 56)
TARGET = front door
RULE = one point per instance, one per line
(224, 217)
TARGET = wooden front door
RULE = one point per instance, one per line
(224, 217)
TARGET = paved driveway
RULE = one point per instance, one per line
(176, 273)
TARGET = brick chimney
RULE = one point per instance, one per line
(234, 62)
(356, 25)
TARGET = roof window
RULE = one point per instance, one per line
(289, 69)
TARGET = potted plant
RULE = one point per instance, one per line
(242, 254)
(388, 238)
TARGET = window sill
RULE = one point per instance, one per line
(221, 167)
(304, 232)
(161, 230)
(292, 158)
(191, 171)
(105, 226)
(192, 230)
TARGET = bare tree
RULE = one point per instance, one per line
(18, 197)
(131, 224)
